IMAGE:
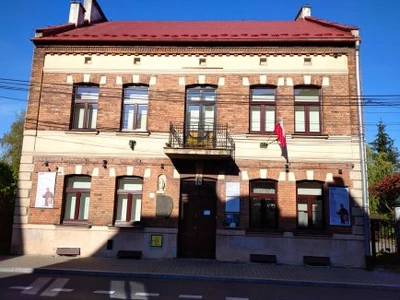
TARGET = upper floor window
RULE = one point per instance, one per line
(85, 107)
(307, 110)
(134, 111)
(129, 200)
(263, 205)
(262, 109)
(310, 212)
(77, 198)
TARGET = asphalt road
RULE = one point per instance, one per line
(60, 287)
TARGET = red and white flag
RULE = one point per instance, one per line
(280, 132)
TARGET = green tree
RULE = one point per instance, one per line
(384, 144)
(378, 168)
(12, 143)
(7, 201)
(386, 191)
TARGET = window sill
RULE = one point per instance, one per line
(76, 223)
(265, 232)
(133, 133)
(310, 136)
(77, 131)
(311, 232)
(232, 228)
(44, 207)
(126, 225)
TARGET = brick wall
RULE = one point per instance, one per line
(166, 104)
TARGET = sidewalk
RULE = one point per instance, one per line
(202, 270)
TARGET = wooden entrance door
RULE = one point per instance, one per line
(197, 219)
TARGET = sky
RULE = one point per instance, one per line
(378, 22)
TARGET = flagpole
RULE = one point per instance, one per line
(269, 137)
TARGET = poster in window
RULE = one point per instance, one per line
(45, 190)
(232, 203)
(339, 205)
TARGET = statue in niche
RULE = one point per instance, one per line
(161, 183)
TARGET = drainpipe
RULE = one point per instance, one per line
(363, 159)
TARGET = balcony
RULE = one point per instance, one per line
(199, 142)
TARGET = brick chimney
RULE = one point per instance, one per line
(305, 11)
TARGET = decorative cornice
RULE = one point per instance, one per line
(196, 51)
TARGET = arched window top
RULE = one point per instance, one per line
(263, 186)
(136, 92)
(201, 87)
(307, 86)
(308, 93)
(265, 93)
(263, 86)
(85, 84)
(204, 93)
(130, 183)
(135, 86)
(79, 181)
(86, 92)
(309, 187)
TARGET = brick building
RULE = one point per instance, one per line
(157, 139)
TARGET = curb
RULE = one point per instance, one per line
(252, 280)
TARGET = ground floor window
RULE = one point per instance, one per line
(77, 198)
(310, 212)
(263, 205)
(129, 200)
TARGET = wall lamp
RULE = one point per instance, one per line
(105, 164)
(132, 144)
(47, 164)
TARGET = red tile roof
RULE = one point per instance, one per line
(304, 30)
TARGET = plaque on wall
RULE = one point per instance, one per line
(164, 206)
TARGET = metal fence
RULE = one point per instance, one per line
(383, 237)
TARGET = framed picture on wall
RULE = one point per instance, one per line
(45, 190)
(339, 206)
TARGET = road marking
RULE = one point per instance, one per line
(37, 285)
(191, 296)
(147, 294)
(57, 287)
(104, 292)
(119, 287)
(20, 287)
(235, 298)
(139, 290)
(61, 290)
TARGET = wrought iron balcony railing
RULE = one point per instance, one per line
(201, 136)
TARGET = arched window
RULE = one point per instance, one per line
(129, 200)
(77, 198)
(307, 110)
(85, 105)
(310, 205)
(262, 109)
(263, 205)
(134, 110)
(200, 121)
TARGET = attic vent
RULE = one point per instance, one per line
(136, 60)
(307, 61)
(263, 61)
(202, 62)
(88, 60)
